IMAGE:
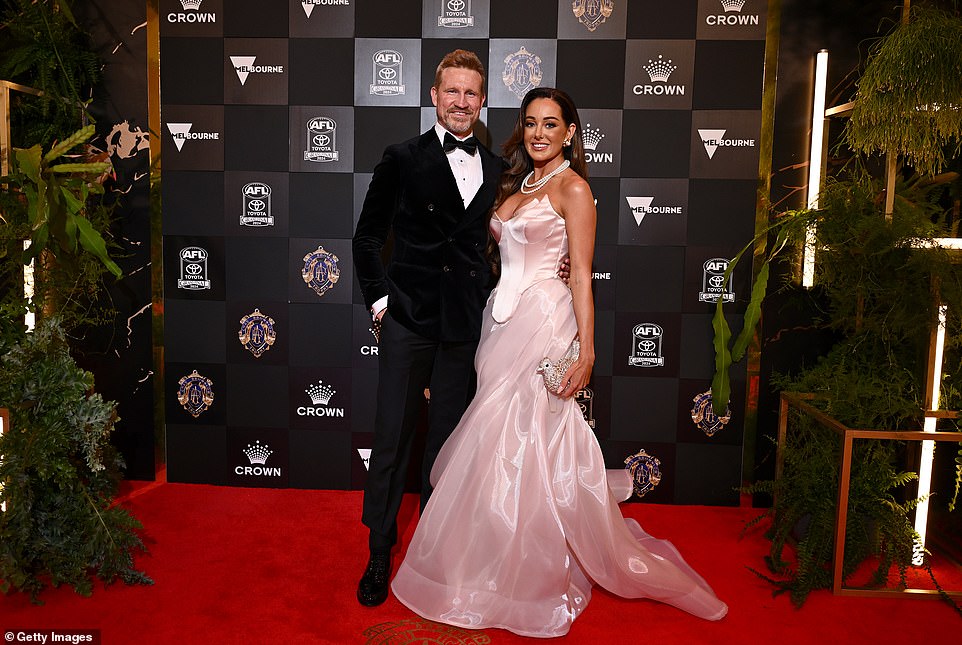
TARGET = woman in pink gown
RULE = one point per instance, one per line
(524, 517)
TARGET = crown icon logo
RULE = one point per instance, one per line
(591, 137)
(659, 70)
(258, 454)
(320, 394)
(732, 5)
(191, 5)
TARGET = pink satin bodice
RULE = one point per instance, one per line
(532, 244)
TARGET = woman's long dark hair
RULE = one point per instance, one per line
(519, 163)
(516, 157)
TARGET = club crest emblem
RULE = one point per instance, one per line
(704, 417)
(195, 393)
(522, 72)
(320, 270)
(592, 13)
(257, 333)
(645, 471)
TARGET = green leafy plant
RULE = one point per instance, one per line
(877, 283)
(54, 200)
(57, 194)
(909, 99)
(59, 474)
(43, 47)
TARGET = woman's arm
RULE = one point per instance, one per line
(578, 209)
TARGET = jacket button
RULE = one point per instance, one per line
(447, 269)
(430, 207)
(474, 273)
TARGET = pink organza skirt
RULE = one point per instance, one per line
(524, 518)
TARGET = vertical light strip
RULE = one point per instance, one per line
(29, 319)
(815, 162)
(928, 447)
(3, 505)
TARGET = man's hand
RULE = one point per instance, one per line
(376, 326)
(564, 270)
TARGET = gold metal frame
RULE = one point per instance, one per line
(6, 145)
(848, 436)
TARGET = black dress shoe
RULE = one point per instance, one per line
(373, 588)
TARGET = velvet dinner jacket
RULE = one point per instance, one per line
(437, 279)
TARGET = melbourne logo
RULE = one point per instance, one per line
(365, 455)
(387, 73)
(257, 205)
(659, 71)
(522, 72)
(320, 271)
(257, 456)
(193, 269)
(321, 396)
(732, 14)
(257, 333)
(195, 393)
(713, 283)
(181, 133)
(244, 65)
(321, 140)
(641, 206)
(715, 139)
(455, 14)
(191, 13)
(309, 5)
(646, 346)
(592, 13)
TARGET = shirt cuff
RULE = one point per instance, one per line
(379, 305)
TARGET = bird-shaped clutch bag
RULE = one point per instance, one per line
(552, 372)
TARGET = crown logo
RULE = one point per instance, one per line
(191, 5)
(659, 70)
(591, 137)
(258, 454)
(320, 394)
(732, 5)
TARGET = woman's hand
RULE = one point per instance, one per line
(577, 376)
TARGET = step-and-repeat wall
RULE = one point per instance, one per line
(274, 114)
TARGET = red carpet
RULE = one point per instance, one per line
(242, 565)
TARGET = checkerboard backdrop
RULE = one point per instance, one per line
(274, 113)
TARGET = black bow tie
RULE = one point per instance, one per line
(469, 145)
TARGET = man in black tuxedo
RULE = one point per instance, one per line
(434, 193)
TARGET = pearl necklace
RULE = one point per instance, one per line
(538, 185)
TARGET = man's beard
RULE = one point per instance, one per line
(458, 126)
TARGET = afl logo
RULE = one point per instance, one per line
(321, 140)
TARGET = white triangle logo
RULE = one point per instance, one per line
(242, 63)
(179, 129)
(365, 454)
(308, 8)
(707, 136)
(639, 207)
